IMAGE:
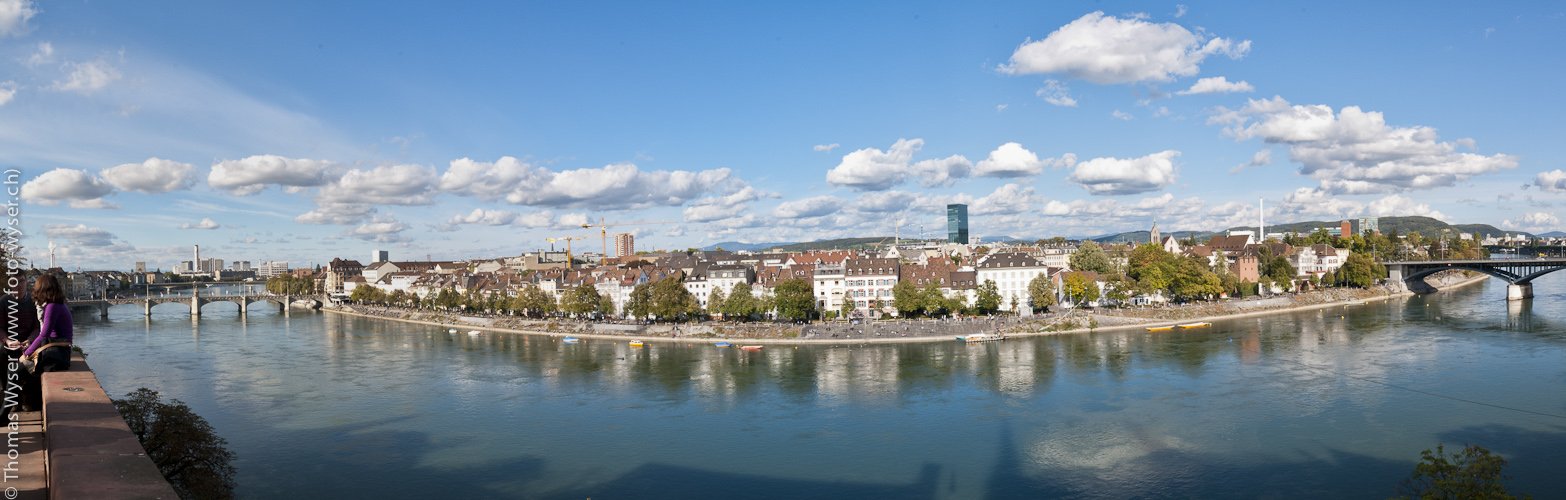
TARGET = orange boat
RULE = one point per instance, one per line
(750, 348)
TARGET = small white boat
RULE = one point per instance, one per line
(453, 330)
(475, 332)
(571, 340)
(982, 337)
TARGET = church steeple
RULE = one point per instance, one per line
(1154, 238)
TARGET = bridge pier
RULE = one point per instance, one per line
(243, 308)
(147, 306)
(195, 306)
(103, 311)
(1519, 292)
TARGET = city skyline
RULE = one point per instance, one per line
(480, 131)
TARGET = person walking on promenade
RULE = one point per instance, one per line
(51, 350)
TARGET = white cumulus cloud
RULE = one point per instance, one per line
(1012, 160)
(826, 148)
(1117, 176)
(14, 15)
(1533, 221)
(381, 229)
(1057, 93)
(1108, 50)
(44, 55)
(808, 207)
(251, 175)
(1354, 151)
(871, 169)
(722, 207)
(1553, 181)
(1261, 158)
(612, 187)
(8, 90)
(1217, 85)
(885, 201)
(66, 184)
(336, 214)
(383, 185)
(154, 176)
(205, 223)
(88, 77)
(1007, 199)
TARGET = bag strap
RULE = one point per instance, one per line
(46, 346)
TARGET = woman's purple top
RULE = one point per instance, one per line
(56, 327)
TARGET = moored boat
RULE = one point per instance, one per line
(723, 344)
(1159, 328)
(637, 343)
(475, 332)
(982, 337)
(750, 347)
(452, 330)
(571, 340)
(1195, 325)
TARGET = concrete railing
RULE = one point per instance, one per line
(89, 450)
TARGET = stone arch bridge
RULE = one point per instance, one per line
(243, 300)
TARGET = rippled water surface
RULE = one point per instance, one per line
(1333, 403)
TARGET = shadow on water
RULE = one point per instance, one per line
(378, 460)
(1534, 459)
(656, 481)
(374, 460)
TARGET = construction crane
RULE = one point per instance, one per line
(603, 229)
(568, 240)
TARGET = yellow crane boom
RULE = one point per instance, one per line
(603, 229)
(568, 240)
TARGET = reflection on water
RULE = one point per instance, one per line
(1318, 403)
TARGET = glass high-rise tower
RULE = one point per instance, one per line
(957, 223)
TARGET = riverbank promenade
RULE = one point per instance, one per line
(79, 447)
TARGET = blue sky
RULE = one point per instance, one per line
(302, 132)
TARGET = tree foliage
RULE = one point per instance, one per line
(1359, 271)
(288, 284)
(715, 301)
(1041, 291)
(987, 299)
(795, 298)
(907, 298)
(1080, 289)
(1470, 474)
(533, 301)
(193, 459)
(741, 303)
(581, 301)
(1091, 257)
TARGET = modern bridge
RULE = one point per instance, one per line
(1518, 273)
(196, 301)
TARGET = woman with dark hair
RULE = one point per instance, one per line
(21, 327)
(51, 350)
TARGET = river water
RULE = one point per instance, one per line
(1333, 403)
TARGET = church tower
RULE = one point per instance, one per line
(1154, 238)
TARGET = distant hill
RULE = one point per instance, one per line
(1425, 226)
(1143, 236)
(837, 244)
(735, 246)
(1403, 225)
(1552, 234)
